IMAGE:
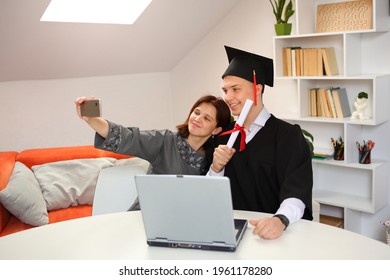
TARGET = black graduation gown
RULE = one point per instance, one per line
(275, 165)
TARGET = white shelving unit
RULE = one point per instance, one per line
(343, 188)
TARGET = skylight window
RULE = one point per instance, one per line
(95, 11)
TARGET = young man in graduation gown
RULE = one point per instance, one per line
(269, 166)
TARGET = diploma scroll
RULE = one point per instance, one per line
(240, 122)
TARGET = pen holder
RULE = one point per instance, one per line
(365, 151)
(338, 147)
(338, 152)
(365, 156)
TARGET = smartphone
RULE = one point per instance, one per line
(91, 108)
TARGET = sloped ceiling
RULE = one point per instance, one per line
(160, 38)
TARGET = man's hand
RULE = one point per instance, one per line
(268, 228)
(222, 155)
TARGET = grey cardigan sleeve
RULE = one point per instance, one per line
(131, 141)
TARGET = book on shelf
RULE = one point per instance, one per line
(299, 61)
(287, 62)
(320, 107)
(332, 221)
(306, 61)
(322, 153)
(322, 103)
(341, 102)
(321, 156)
(325, 107)
(329, 61)
(320, 63)
(312, 62)
(291, 61)
(316, 105)
(312, 102)
(331, 102)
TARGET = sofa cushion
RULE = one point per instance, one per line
(55, 216)
(15, 225)
(23, 197)
(7, 160)
(39, 156)
(70, 213)
(70, 182)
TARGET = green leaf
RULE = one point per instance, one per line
(309, 140)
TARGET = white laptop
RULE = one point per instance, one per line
(189, 211)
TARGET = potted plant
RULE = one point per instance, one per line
(282, 14)
(309, 140)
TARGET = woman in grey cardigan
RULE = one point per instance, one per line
(185, 151)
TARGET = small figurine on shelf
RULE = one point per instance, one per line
(360, 105)
(338, 146)
(365, 151)
(387, 230)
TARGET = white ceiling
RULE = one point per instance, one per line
(160, 38)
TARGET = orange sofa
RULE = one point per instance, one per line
(9, 223)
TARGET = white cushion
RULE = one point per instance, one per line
(23, 197)
(136, 162)
(70, 182)
(73, 182)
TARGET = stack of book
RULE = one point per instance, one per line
(322, 153)
(299, 61)
(328, 102)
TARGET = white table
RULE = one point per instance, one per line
(121, 236)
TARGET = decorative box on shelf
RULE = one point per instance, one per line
(343, 16)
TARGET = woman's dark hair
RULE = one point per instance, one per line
(223, 113)
(223, 119)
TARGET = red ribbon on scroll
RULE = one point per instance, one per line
(241, 129)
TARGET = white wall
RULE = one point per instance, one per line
(37, 114)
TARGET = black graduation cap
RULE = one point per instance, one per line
(244, 64)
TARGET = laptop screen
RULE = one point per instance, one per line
(187, 208)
